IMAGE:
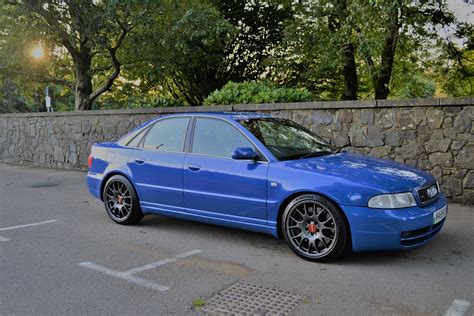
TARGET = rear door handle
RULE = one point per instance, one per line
(194, 167)
(139, 161)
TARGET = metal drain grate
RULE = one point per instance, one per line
(248, 299)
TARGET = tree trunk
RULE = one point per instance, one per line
(349, 67)
(384, 75)
(83, 89)
(351, 84)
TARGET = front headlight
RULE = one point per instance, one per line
(398, 200)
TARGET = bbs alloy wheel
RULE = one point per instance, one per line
(121, 201)
(314, 228)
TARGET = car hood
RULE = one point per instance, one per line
(382, 174)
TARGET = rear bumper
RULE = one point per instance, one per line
(374, 229)
(94, 181)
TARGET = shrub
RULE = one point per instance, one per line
(253, 92)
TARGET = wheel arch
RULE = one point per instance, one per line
(110, 175)
(294, 195)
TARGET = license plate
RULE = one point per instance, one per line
(439, 215)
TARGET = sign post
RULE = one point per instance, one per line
(48, 100)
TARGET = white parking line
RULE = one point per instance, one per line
(161, 262)
(458, 308)
(57, 174)
(127, 275)
(28, 225)
(4, 239)
(137, 280)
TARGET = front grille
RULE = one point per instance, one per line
(420, 236)
(424, 195)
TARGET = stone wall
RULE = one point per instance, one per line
(436, 135)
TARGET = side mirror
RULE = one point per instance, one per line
(244, 153)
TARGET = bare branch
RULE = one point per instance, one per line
(116, 64)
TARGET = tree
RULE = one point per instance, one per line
(259, 27)
(455, 65)
(88, 30)
(351, 39)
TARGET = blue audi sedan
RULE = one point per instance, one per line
(257, 172)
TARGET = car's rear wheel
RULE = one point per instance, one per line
(314, 228)
(121, 201)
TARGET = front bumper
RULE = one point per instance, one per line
(376, 229)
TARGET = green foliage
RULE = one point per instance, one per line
(382, 33)
(259, 29)
(139, 102)
(253, 92)
(177, 52)
(10, 100)
(416, 86)
(198, 303)
(456, 76)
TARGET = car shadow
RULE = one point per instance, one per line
(433, 252)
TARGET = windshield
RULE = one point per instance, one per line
(286, 139)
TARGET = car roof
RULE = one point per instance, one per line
(229, 115)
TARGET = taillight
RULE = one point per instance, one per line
(89, 161)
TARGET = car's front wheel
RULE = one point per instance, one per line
(314, 228)
(121, 201)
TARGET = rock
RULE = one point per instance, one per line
(357, 136)
(457, 144)
(466, 198)
(411, 149)
(341, 139)
(448, 122)
(381, 152)
(58, 154)
(441, 159)
(385, 118)
(321, 117)
(452, 186)
(465, 158)
(435, 134)
(344, 116)
(424, 164)
(392, 138)
(435, 118)
(449, 132)
(469, 180)
(438, 145)
(406, 120)
(367, 116)
(374, 136)
(462, 122)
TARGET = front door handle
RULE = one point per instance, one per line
(194, 167)
(139, 161)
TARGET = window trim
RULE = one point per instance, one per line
(147, 129)
(263, 158)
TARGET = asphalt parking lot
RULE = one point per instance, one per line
(61, 254)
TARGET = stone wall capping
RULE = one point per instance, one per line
(318, 105)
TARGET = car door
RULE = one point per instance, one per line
(157, 165)
(215, 185)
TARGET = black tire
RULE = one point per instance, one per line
(128, 211)
(317, 230)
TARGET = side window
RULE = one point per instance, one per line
(167, 135)
(136, 140)
(217, 138)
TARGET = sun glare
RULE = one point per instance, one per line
(38, 52)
